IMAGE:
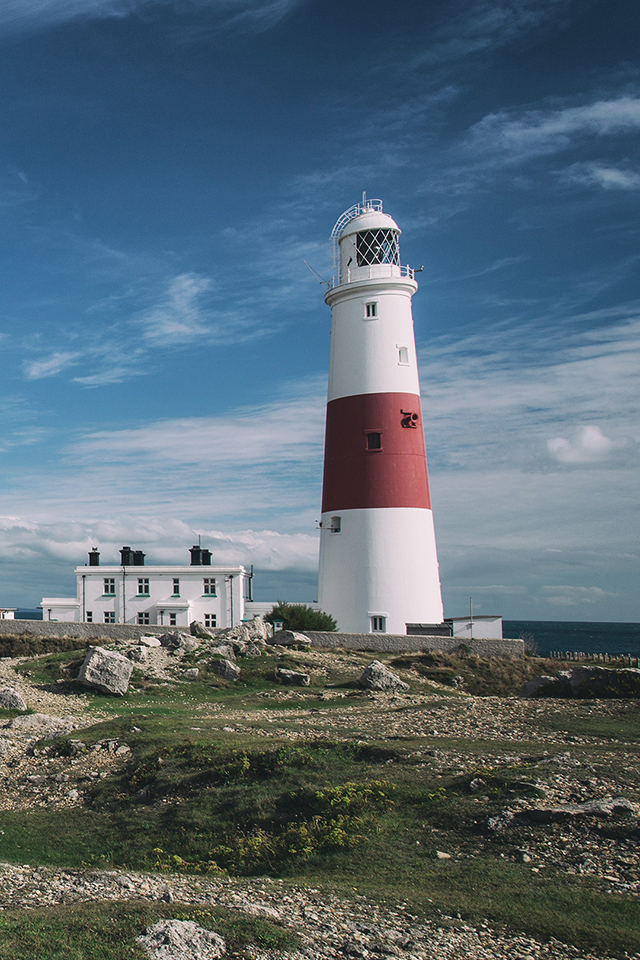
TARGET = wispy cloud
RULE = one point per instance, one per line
(487, 24)
(119, 347)
(19, 15)
(16, 188)
(178, 317)
(600, 175)
(51, 365)
(516, 138)
(572, 596)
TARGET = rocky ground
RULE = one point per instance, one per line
(329, 927)
(505, 732)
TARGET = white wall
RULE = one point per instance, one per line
(382, 563)
(188, 604)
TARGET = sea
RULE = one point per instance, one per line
(546, 636)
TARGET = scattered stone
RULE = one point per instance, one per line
(501, 821)
(149, 642)
(106, 671)
(289, 638)
(224, 650)
(569, 811)
(179, 641)
(199, 630)
(138, 654)
(181, 940)
(477, 784)
(10, 699)
(292, 678)
(378, 677)
(586, 682)
(441, 855)
(225, 668)
(42, 725)
(191, 674)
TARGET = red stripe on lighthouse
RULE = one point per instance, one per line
(393, 475)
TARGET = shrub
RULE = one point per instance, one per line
(300, 616)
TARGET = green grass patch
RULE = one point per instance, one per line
(107, 930)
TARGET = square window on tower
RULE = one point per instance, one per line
(371, 310)
(374, 441)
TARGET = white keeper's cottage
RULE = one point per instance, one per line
(134, 593)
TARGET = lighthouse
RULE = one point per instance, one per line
(378, 562)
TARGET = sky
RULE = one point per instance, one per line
(166, 166)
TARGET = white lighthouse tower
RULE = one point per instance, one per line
(378, 562)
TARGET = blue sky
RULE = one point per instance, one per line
(164, 169)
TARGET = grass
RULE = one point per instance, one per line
(107, 931)
(334, 812)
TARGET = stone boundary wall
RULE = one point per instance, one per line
(80, 631)
(401, 643)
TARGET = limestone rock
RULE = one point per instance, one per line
(42, 725)
(224, 650)
(378, 677)
(106, 671)
(10, 699)
(182, 642)
(198, 629)
(546, 687)
(587, 682)
(191, 674)
(593, 681)
(149, 642)
(225, 668)
(181, 940)
(292, 678)
(138, 654)
(289, 638)
(259, 629)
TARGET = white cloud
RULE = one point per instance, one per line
(595, 174)
(50, 366)
(18, 15)
(572, 596)
(589, 446)
(518, 138)
(178, 317)
(487, 24)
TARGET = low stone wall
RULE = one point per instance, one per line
(81, 631)
(392, 642)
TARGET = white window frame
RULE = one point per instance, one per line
(209, 587)
(109, 586)
(176, 587)
(109, 616)
(143, 619)
(403, 355)
(211, 620)
(371, 310)
(378, 624)
(173, 619)
(143, 586)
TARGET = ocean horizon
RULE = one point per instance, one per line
(546, 636)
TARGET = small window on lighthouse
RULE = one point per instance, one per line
(403, 355)
(378, 624)
(371, 310)
(336, 524)
(374, 441)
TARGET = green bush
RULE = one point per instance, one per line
(300, 616)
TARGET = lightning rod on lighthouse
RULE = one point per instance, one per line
(378, 561)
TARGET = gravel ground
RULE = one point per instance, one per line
(504, 731)
(329, 926)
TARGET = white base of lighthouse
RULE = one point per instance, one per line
(379, 572)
